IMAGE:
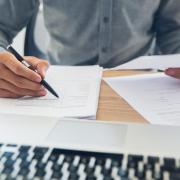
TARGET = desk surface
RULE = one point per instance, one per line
(112, 106)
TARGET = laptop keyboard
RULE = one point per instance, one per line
(41, 163)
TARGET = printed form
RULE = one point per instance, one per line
(78, 89)
(161, 62)
(154, 96)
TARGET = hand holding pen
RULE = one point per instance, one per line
(31, 67)
(16, 80)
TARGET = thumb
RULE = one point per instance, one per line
(174, 72)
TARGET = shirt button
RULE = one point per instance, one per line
(104, 49)
(105, 19)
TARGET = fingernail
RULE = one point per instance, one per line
(42, 93)
(38, 79)
(43, 74)
(170, 72)
(46, 68)
(42, 88)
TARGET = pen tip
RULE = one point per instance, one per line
(55, 94)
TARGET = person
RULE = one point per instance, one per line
(86, 32)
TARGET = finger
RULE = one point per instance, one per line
(20, 91)
(174, 72)
(18, 68)
(18, 81)
(39, 64)
(7, 94)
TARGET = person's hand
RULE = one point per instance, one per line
(16, 80)
(173, 72)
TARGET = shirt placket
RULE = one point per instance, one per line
(105, 30)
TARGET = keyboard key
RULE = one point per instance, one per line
(7, 154)
(56, 152)
(169, 164)
(40, 165)
(140, 175)
(24, 148)
(84, 160)
(11, 145)
(38, 157)
(91, 177)
(40, 150)
(9, 163)
(53, 158)
(106, 172)
(73, 176)
(7, 170)
(123, 173)
(153, 159)
(40, 173)
(56, 174)
(73, 168)
(23, 156)
(175, 175)
(55, 155)
(69, 159)
(24, 171)
(100, 161)
(56, 167)
(108, 178)
(25, 164)
(89, 170)
(133, 160)
(116, 163)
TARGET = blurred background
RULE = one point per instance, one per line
(19, 41)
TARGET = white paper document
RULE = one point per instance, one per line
(161, 62)
(78, 89)
(154, 96)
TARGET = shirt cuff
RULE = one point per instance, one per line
(2, 49)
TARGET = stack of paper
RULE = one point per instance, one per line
(77, 87)
(154, 96)
(161, 62)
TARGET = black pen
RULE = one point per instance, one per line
(21, 59)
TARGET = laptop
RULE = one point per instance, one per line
(52, 148)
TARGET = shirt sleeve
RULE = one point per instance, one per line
(167, 26)
(15, 14)
(2, 49)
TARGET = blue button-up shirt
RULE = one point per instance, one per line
(104, 32)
